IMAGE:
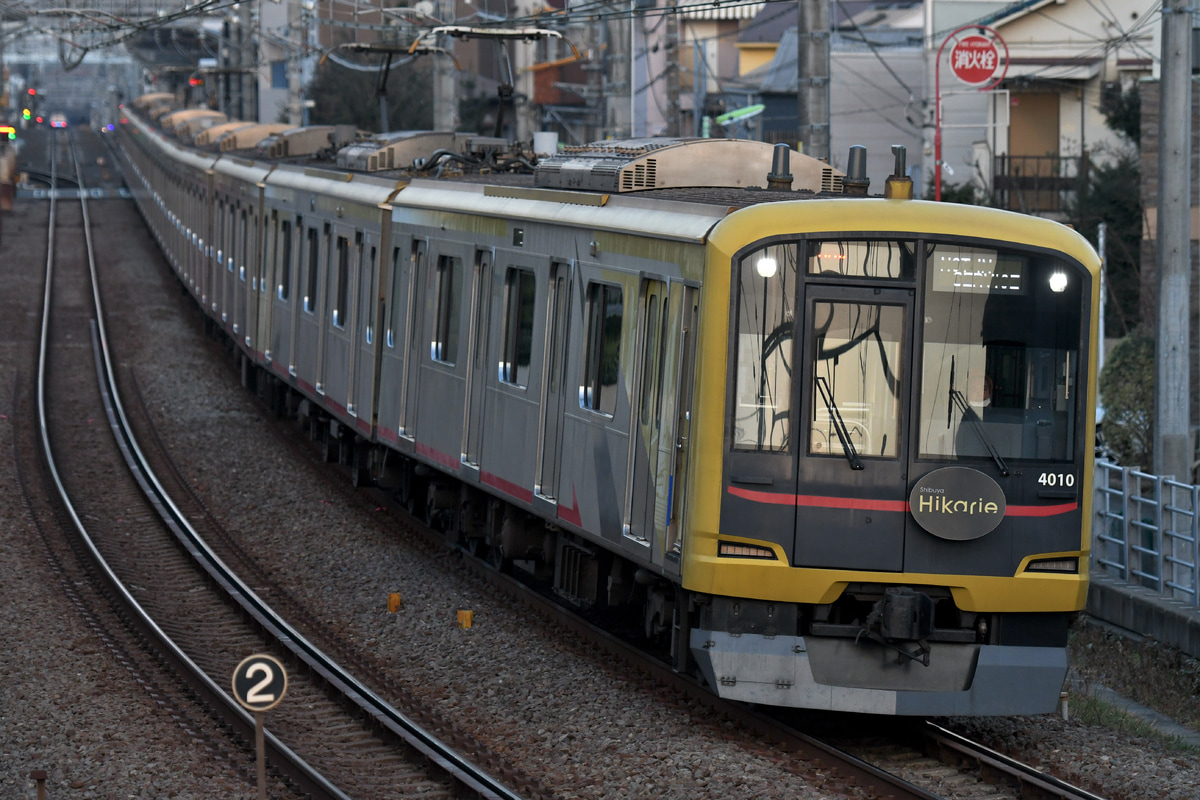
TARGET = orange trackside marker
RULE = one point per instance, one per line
(465, 618)
(394, 602)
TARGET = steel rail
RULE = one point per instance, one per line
(468, 777)
(208, 691)
(1033, 782)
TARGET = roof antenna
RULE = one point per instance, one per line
(856, 180)
(779, 179)
(898, 185)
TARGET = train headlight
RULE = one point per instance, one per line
(1058, 281)
(766, 267)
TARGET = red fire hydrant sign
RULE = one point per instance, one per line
(974, 60)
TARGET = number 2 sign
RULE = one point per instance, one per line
(259, 682)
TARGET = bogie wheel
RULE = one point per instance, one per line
(498, 559)
(360, 465)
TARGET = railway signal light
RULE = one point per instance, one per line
(195, 80)
(32, 92)
(25, 113)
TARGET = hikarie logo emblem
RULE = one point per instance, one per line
(957, 503)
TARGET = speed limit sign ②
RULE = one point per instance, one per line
(259, 682)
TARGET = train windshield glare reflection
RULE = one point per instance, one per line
(857, 357)
(763, 393)
(999, 334)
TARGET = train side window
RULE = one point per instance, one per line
(367, 293)
(341, 280)
(219, 233)
(650, 360)
(243, 245)
(602, 353)
(447, 279)
(285, 259)
(396, 294)
(229, 237)
(765, 329)
(520, 296)
(557, 329)
(310, 294)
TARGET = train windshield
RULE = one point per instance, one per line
(1000, 355)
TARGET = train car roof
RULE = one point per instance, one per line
(636, 214)
(350, 187)
(188, 157)
(210, 135)
(253, 172)
(246, 138)
(173, 120)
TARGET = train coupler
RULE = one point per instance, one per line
(901, 616)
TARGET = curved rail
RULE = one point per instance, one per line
(468, 777)
(287, 762)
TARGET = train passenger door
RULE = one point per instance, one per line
(481, 302)
(264, 302)
(393, 322)
(306, 338)
(852, 450)
(412, 359)
(339, 287)
(364, 366)
(647, 428)
(557, 329)
(242, 253)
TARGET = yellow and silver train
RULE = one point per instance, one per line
(832, 450)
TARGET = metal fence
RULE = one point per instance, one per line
(1144, 531)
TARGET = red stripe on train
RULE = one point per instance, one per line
(867, 504)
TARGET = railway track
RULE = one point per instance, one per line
(333, 737)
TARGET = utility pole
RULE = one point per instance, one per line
(297, 30)
(812, 74)
(672, 46)
(445, 79)
(1173, 258)
(248, 77)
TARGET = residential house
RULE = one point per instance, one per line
(876, 81)
(1044, 122)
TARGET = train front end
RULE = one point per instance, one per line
(893, 437)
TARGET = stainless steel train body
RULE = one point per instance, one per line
(834, 451)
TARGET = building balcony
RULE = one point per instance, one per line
(1045, 185)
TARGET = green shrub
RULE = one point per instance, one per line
(1127, 392)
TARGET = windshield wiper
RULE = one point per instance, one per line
(969, 415)
(839, 426)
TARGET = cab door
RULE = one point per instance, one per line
(851, 455)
